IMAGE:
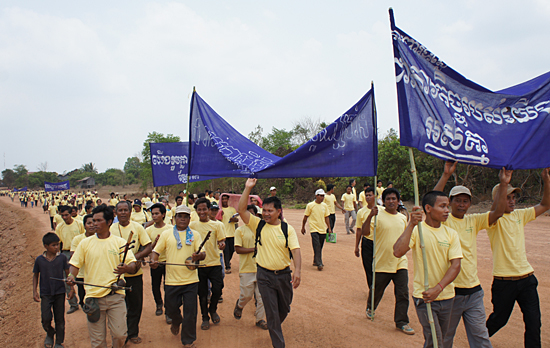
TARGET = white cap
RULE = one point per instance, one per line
(183, 209)
(148, 205)
(458, 190)
(320, 192)
(272, 188)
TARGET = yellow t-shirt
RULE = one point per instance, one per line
(379, 191)
(66, 233)
(362, 216)
(167, 244)
(442, 245)
(244, 237)
(74, 244)
(316, 213)
(211, 246)
(113, 202)
(363, 199)
(138, 217)
(329, 201)
(145, 200)
(354, 193)
(140, 238)
(79, 218)
(100, 257)
(348, 200)
(194, 216)
(52, 209)
(229, 226)
(168, 217)
(58, 219)
(467, 229)
(507, 237)
(153, 232)
(273, 253)
(389, 228)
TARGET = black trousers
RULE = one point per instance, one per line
(81, 292)
(318, 241)
(401, 290)
(51, 223)
(156, 281)
(214, 274)
(504, 294)
(175, 297)
(134, 304)
(366, 256)
(228, 251)
(55, 304)
(332, 221)
(277, 292)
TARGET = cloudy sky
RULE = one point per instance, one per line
(87, 81)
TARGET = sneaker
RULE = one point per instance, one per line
(72, 310)
(406, 329)
(159, 310)
(370, 315)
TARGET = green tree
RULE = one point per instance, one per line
(21, 177)
(89, 168)
(256, 135)
(8, 177)
(278, 142)
(132, 169)
(146, 175)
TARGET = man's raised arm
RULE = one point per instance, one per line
(243, 201)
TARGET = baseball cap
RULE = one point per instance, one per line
(182, 209)
(214, 206)
(320, 192)
(458, 190)
(509, 189)
(148, 205)
(137, 202)
(272, 188)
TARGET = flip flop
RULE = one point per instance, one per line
(48, 342)
(135, 340)
(215, 318)
(262, 324)
(237, 312)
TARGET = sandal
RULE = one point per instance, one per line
(174, 329)
(48, 342)
(205, 325)
(135, 340)
(262, 324)
(215, 318)
(237, 312)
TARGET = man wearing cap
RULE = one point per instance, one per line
(317, 212)
(513, 276)
(272, 191)
(137, 215)
(468, 301)
(134, 298)
(181, 284)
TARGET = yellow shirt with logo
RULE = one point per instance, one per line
(74, 244)
(100, 257)
(229, 226)
(140, 237)
(167, 244)
(66, 233)
(467, 229)
(389, 228)
(211, 246)
(316, 213)
(273, 253)
(442, 245)
(153, 232)
(348, 199)
(507, 237)
(329, 201)
(244, 237)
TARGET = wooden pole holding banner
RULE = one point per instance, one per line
(423, 248)
(375, 218)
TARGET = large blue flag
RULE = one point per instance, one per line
(58, 186)
(347, 147)
(450, 117)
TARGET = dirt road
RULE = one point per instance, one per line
(328, 308)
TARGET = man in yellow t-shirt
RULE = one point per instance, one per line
(134, 299)
(244, 246)
(138, 215)
(349, 201)
(100, 254)
(443, 255)
(158, 211)
(230, 223)
(53, 211)
(317, 213)
(212, 270)
(331, 202)
(365, 240)
(389, 227)
(362, 201)
(274, 249)
(468, 301)
(181, 284)
(379, 191)
(513, 276)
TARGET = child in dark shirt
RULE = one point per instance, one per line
(52, 292)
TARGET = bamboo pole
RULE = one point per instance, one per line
(423, 248)
(373, 256)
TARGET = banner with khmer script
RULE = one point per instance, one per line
(57, 186)
(450, 117)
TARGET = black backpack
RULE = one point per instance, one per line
(261, 224)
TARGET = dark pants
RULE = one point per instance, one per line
(366, 256)
(214, 274)
(401, 290)
(318, 241)
(72, 302)
(156, 281)
(505, 293)
(175, 297)
(134, 304)
(276, 291)
(51, 223)
(332, 221)
(55, 304)
(228, 251)
(441, 311)
(81, 292)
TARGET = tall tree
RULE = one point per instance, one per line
(89, 168)
(132, 169)
(8, 177)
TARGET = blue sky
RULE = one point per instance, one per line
(86, 82)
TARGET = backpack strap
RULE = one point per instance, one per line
(261, 225)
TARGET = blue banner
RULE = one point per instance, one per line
(58, 186)
(347, 147)
(24, 189)
(450, 117)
